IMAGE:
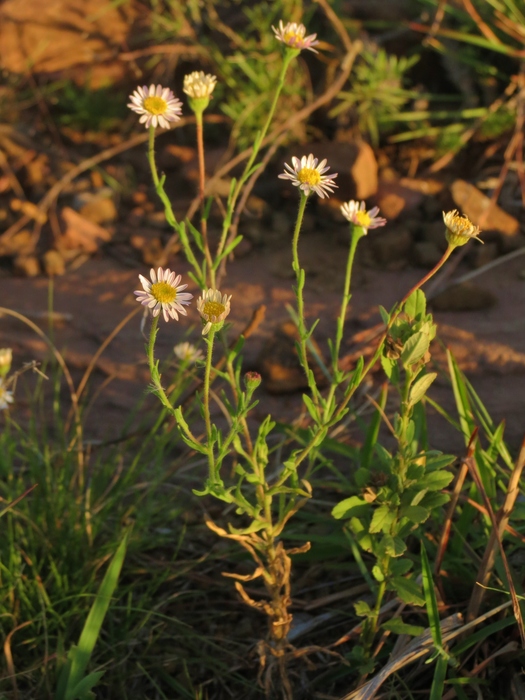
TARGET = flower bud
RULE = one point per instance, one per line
(6, 357)
(252, 380)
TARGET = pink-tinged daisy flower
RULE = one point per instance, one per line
(157, 106)
(213, 307)
(355, 213)
(460, 230)
(293, 35)
(309, 177)
(164, 293)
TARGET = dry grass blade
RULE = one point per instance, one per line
(9, 657)
(495, 538)
(512, 589)
(450, 628)
(445, 534)
(419, 647)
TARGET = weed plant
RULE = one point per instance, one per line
(414, 537)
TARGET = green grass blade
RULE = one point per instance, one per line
(430, 599)
(79, 656)
(440, 675)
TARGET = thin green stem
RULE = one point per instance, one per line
(151, 157)
(206, 400)
(251, 160)
(357, 233)
(339, 413)
(393, 317)
(300, 277)
(168, 210)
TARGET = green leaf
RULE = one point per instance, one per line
(351, 507)
(415, 347)
(439, 462)
(420, 388)
(400, 567)
(434, 500)
(229, 249)
(388, 366)
(397, 626)
(312, 410)
(416, 305)
(382, 519)
(436, 481)
(417, 514)
(362, 609)
(385, 316)
(394, 546)
(407, 590)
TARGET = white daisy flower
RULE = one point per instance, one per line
(6, 397)
(164, 294)
(355, 213)
(308, 176)
(213, 307)
(293, 35)
(187, 352)
(199, 84)
(157, 106)
(460, 230)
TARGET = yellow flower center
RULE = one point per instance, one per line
(163, 292)
(291, 37)
(213, 308)
(461, 225)
(363, 219)
(155, 105)
(309, 176)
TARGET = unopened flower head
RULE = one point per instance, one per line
(293, 35)
(252, 380)
(356, 213)
(6, 397)
(213, 307)
(460, 230)
(157, 106)
(164, 293)
(187, 352)
(199, 84)
(309, 176)
(6, 357)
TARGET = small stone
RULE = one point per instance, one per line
(26, 265)
(464, 297)
(393, 198)
(54, 264)
(426, 254)
(481, 211)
